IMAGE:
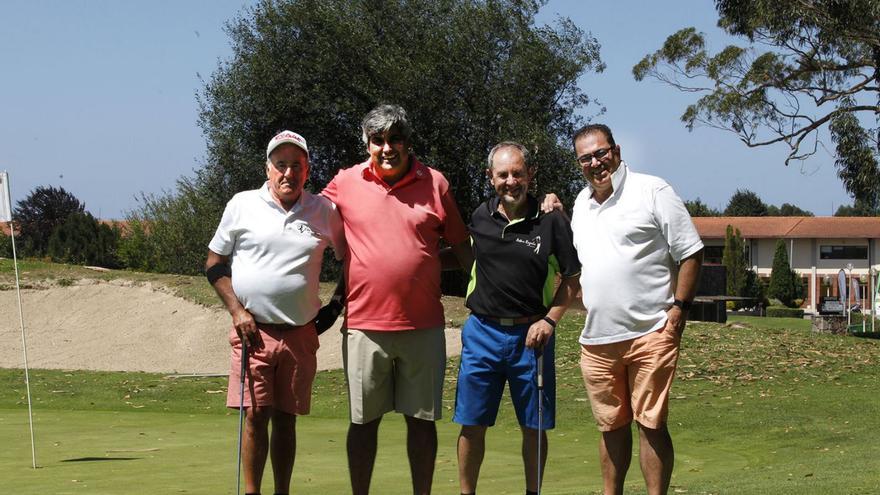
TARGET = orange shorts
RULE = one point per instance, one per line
(280, 374)
(630, 379)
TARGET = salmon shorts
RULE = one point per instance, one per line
(281, 373)
(630, 379)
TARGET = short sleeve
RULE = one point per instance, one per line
(563, 245)
(337, 232)
(331, 192)
(675, 224)
(454, 229)
(225, 236)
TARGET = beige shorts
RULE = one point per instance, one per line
(630, 379)
(394, 371)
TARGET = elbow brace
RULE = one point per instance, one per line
(218, 271)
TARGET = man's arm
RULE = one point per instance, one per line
(541, 331)
(242, 319)
(458, 256)
(685, 290)
(328, 314)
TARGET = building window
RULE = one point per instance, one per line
(843, 252)
(713, 254)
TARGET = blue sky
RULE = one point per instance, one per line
(99, 97)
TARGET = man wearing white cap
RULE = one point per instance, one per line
(264, 262)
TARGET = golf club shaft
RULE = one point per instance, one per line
(244, 367)
(539, 365)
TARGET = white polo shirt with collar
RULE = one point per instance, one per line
(629, 248)
(276, 254)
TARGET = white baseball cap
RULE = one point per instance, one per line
(286, 137)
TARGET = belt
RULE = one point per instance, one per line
(509, 322)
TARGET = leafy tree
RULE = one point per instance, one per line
(40, 213)
(83, 240)
(809, 65)
(170, 233)
(857, 209)
(745, 203)
(734, 260)
(697, 208)
(782, 278)
(787, 210)
(469, 74)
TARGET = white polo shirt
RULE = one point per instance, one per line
(629, 247)
(276, 254)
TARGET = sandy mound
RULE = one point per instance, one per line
(119, 327)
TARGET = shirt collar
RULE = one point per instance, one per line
(417, 170)
(532, 209)
(266, 195)
(617, 180)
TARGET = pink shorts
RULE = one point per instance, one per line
(631, 379)
(280, 374)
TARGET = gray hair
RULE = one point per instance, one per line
(527, 158)
(382, 118)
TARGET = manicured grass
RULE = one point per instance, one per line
(760, 406)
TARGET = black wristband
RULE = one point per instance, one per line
(218, 271)
(550, 321)
(682, 305)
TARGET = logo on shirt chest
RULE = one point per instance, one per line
(534, 243)
(302, 229)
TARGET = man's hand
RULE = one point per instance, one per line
(675, 321)
(246, 328)
(551, 202)
(539, 334)
(327, 316)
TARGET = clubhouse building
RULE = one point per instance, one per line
(818, 248)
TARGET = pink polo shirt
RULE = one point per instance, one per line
(393, 236)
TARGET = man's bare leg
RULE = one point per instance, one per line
(361, 446)
(530, 458)
(615, 454)
(255, 446)
(656, 457)
(421, 447)
(471, 449)
(283, 448)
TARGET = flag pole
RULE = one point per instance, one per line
(4, 178)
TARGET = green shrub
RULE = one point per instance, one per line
(784, 284)
(82, 240)
(784, 312)
(5, 246)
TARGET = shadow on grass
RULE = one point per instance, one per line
(96, 459)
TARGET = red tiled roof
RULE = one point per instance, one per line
(790, 227)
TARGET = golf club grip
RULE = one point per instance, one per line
(244, 359)
(539, 357)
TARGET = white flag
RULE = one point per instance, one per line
(5, 205)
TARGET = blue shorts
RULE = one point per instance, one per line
(492, 354)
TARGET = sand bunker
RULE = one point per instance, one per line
(121, 327)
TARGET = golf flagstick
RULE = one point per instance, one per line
(244, 367)
(6, 215)
(539, 358)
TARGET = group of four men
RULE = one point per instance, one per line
(385, 219)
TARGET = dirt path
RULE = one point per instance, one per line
(121, 327)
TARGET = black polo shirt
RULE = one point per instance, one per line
(516, 263)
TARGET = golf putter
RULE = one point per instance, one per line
(244, 367)
(539, 365)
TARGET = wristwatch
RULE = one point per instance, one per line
(683, 305)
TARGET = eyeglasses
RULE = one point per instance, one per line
(586, 160)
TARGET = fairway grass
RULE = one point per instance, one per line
(760, 406)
